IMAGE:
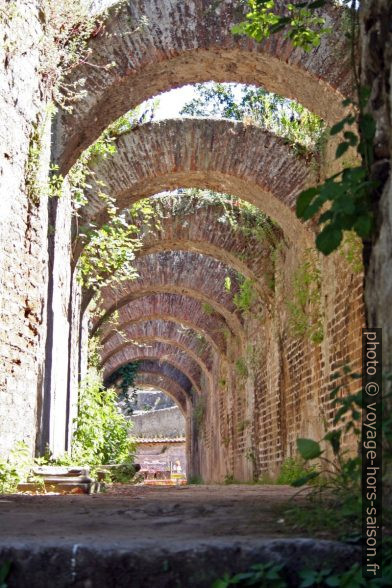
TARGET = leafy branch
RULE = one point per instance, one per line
(343, 202)
(349, 192)
(300, 24)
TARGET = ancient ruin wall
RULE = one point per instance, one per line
(23, 229)
(37, 305)
(254, 416)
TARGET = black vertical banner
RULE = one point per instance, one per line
(371, 453)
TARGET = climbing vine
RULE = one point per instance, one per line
(124, 378)
(32, 170)
(246, 295)
(241, 368)
(68, 26)
(109, 250)
(305, 305)
(351, 250)
(239, 214)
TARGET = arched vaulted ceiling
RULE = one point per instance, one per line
(146, 380)
(225, 156)
(168, 370)
(158, 351)
(178, 272)
(183, 310)
(161, 330)
(189, 42)
(183, 223)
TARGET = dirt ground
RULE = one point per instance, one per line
(154, 537)
(126, 513)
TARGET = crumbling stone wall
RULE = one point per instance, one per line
(252, 422)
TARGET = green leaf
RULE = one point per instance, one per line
(351, 138)
(341, 149)
(332, 581)
(308, 448)
(363, 225)
(364, 95)
(316, 4)
(367, 125)
(314, 207)
(239, 29)
(329, 239)
(223, 583)
(304, 199)
(326, 216)
(338, 127)
(4, 571)
(333, 437)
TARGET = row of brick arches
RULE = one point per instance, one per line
(208, 315)
(259, 385)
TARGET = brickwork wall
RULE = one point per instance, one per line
(287, 392)
(23, 255)
(190, 42)
(39, 313)
(265, 387)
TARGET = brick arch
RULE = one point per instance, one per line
(157, 351)
(168, 386)
(189, 42)
(191, 274)
(168, 370)
(183, 310)
(165, 339)
(161, 330)
(225, 156)
(201, 229)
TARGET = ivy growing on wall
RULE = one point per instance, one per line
(124, 379)
(241, 368)
(351, 250)
(246, 295)
(68, 27)
(305, 305)
(109, 250)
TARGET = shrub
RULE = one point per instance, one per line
(15, 468)
(292, 469)
(102, 432)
